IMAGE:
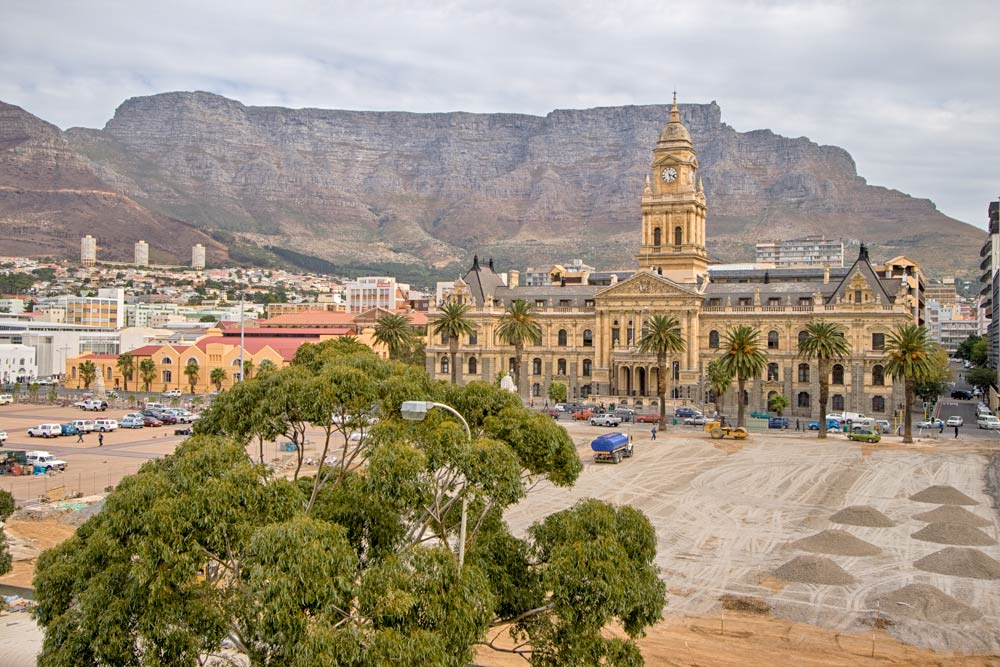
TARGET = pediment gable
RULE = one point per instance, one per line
(863, 280)
(647, 284)
(669, 158)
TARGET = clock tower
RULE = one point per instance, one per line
(673, 208)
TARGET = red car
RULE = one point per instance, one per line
(149, 420)
(648, 419)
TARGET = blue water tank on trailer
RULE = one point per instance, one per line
(609, 442)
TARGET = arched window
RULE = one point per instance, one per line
(772, 340)
(878, 376)
(109, 372)
(802, 336)
(536, 366)
(536, 389)
(444, 364)
(803, 372)
(192, 360)
(561, 367)
(236, 362)
(167, 375)
(72, 372)
(656, 236)
(878, 404)
(713, 339)
(803, 401)
(676, 370)
(587, 367)
(838, 375)
(678, 236)
(562, 338)
(588, 338)
(166, 361)
(838, 402)
(772, 372)
(473, 366)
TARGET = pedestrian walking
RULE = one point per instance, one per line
(941, 427)
(654, 433)
(798, 425)
(956, 431)
(100, 439)
(79, 435)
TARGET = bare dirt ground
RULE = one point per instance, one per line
(726, 513)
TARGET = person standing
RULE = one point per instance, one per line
(956, 431)
(100, 439)
(798, 425)
(654, 433)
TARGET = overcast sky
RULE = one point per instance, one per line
(911, 89)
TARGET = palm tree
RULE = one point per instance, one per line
(394, 331)
(247, 369)
(88, 372)
(126, 366)
(517, 326)
(661, 335)
(825, 342)
(453, 323)
(191, 372)
(147, 372)
(266, 366)
(719, 380)
(908, 357)
(217, 377)
(743, 359)
(778, 403)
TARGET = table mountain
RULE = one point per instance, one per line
(430, 189)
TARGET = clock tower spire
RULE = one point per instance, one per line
(673, 207)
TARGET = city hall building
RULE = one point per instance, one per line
(591, 325)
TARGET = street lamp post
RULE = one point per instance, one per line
(416, 411)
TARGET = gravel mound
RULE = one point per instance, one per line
(954, 533)
(960, 562)
(924, 603)
(838, 543)
(862, 515)
(943, 495)
(814, 570)
(953, 514)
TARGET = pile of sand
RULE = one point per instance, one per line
(943, 495)
(954, 533)
(814, 570)
(953, 514)
(862, 515)
(960, 562)
(924, 603)
(837, 542)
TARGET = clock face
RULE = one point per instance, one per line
(669, 174)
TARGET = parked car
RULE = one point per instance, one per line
(45, 431)
(6, 398)
(864, 435)
(183, 416)
(45, 460)
(696, 420)
(150, 420)
(961, 395)
(172, 393)
(69, 429)
(105, 425)
(559, 407)
(94, 404)
(883, 426)
(930, 423)
(162, 415)
(831, 425)
(132, 422)
(686, 412)
(584, 414)
(84, 425)
(954, 420)
(777, 422)
(3, 437)
(648, 419)
(605, 419)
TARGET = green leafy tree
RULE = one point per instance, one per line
(394, 331)
(453, 323)
(778, 403)
(126, 368)
(147, 373)
(558, 392)
(518, 326)
(33, 392)
(88, 373)
(938, 376)
(192, 371)
(719, 380)
(980, 353)
(217, 377)
(825, 343)
(743, 359)
(6, 509)
(661, 335)
(908, 358)
(982, 377)
(53, 396)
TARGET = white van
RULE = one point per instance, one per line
(45, 431)
(853, 417)
(104, 425)
(6, 398)
(155, 406)
(989, 422)
(84, 425)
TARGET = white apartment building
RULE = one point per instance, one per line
(141, 253)
(12, 306)
(375, 292)
(809, 251)
(18, 363)
(198, 257)
(88, 250)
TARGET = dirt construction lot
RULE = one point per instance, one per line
(727, 514)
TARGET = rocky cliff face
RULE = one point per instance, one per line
(434, 188)
(51, 195)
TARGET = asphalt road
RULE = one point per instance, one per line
(949, 407)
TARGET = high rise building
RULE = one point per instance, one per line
(990, 280)
(810, 251)
(88, 250)
(198, 257)
(141, 253)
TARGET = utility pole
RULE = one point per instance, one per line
(242, 332)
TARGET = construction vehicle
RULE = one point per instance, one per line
(716, 429)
